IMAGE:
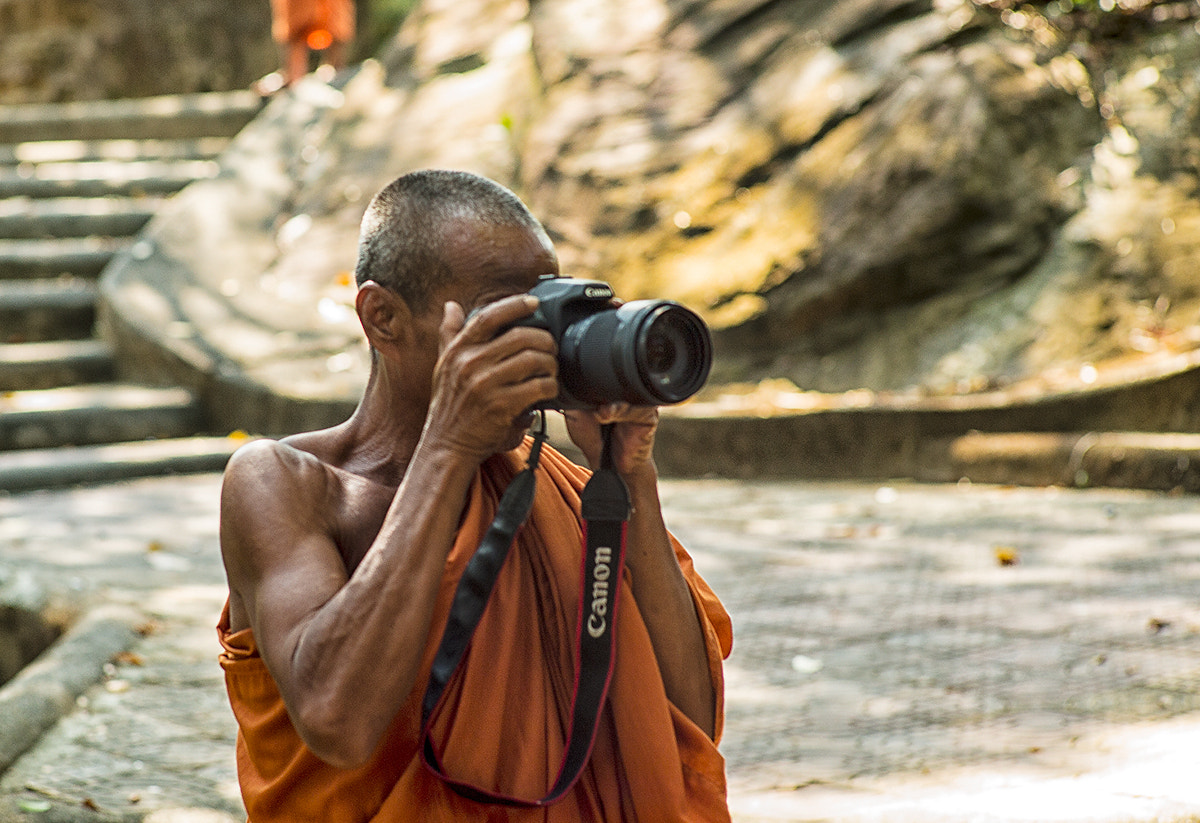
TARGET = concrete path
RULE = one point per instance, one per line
(907, 652)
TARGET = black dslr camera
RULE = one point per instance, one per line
(646, 352)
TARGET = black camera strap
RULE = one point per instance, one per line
(605, 510)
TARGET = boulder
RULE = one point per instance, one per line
(903, 196)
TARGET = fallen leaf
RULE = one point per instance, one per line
(148, 628)
(1007, 555)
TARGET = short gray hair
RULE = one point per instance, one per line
(404, 228)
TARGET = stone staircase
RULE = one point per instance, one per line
(78, 181)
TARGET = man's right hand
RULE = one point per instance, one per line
(486, 379)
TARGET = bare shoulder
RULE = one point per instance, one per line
(271, 467)
(277, 506)
(273, 488)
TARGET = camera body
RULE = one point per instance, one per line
(645, 352)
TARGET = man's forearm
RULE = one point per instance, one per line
(665, 602)
(349, 650)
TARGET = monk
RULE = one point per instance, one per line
(343, 547)
(304, 26)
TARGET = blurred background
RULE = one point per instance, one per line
(873, 203)
(63, 50)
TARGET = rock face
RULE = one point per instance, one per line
(57, 50)
(924, 197)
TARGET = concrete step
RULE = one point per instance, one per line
(103, 178)
(26, 218)
(220, 114)
(76, 465)
(1159, 461)
(79, 256)
(76, 151)
(49, 365)
(89, 415)
(40, 310)
(77, 182)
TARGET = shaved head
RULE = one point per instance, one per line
(408, 223)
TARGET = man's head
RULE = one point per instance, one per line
(414, 226)
(434, 246)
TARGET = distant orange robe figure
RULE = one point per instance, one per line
(505, 712)
(322, 21)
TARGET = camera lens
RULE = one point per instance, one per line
(648, 353)
(673, 353)
(662, 351)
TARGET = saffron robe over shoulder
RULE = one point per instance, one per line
(504, 716)
(296, 19)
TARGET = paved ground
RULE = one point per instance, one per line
(931, 653)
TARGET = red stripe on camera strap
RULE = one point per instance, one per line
(605, 510)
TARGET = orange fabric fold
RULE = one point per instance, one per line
(296, 19)
(505, 713)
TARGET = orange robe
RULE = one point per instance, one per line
(505, 712)
(296, 19)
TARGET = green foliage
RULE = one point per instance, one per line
(378, 21)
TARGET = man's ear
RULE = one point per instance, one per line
(386, 318)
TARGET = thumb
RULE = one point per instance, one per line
(453, 320)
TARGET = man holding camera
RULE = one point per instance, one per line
(343, 549)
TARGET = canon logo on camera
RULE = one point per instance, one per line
(597, 291)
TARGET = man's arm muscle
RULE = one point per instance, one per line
(344, 651)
